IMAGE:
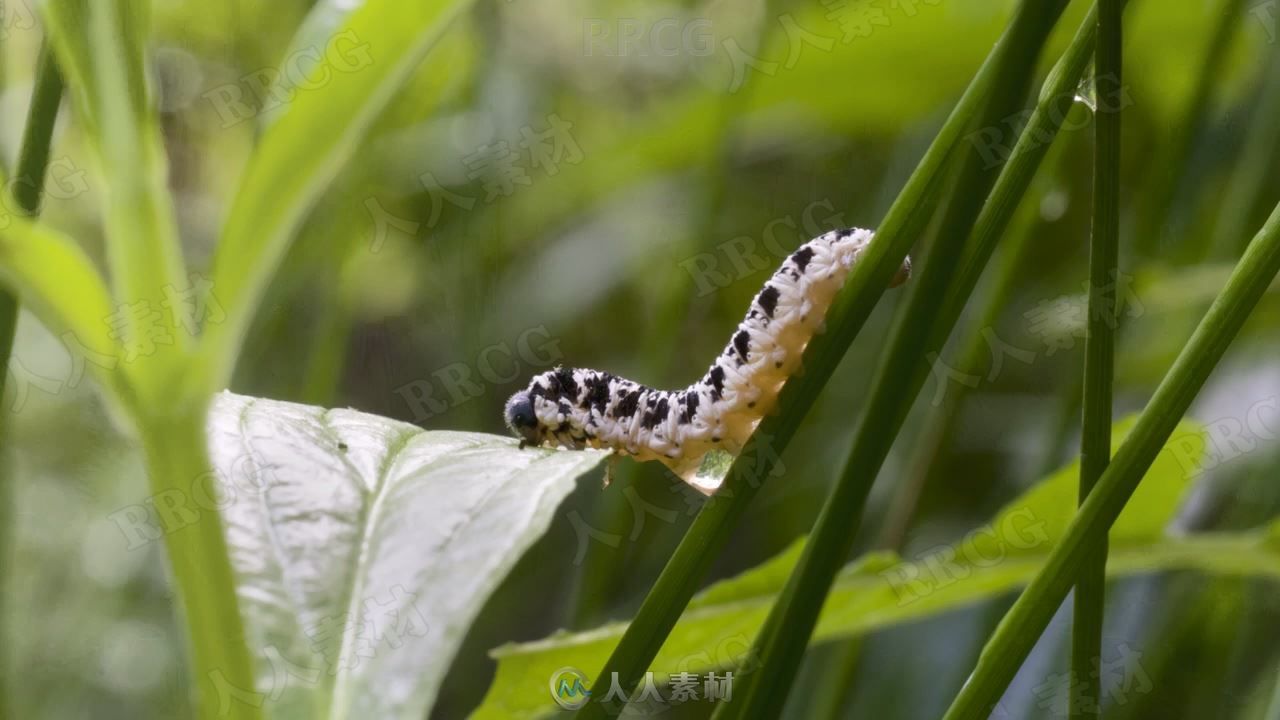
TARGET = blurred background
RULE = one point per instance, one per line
(607, 184)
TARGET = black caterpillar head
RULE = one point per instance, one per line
(522, 420)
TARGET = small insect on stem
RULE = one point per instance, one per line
(579, 408)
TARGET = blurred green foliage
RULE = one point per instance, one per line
(671, 174)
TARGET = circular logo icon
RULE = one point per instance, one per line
(569, 688)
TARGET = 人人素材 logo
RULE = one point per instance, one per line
(569, 688)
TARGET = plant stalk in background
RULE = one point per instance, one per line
(1099, 364)
(1175, 156)
(710, 530)
(1029, 616)
(33, 161)
(1249, 183)
(782, 642)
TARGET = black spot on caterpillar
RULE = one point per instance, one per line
(579, 408)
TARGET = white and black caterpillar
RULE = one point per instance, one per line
(575, 408)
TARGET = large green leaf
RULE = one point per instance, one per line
(880, 590)
(365, 62)
(364, 547)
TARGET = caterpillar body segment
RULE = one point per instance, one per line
(580, 408)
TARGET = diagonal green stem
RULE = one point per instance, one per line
(785, 636)
(1273, 708)
(33, 158)
(1176, 154)
(931, 441)
(1250, 179)
(711, 528)
(1099, 363)
(1028, 154)
(1029, 616)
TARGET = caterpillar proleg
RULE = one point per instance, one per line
(578, 408)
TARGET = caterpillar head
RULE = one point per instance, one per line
(522, 420)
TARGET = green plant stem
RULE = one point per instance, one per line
(1176, 153)
(1066, 414)
(1099, 364)
(1273, 709)
(1024, 623)
(33, 161)
(940, 423)
(1181, 630)
(178, 462)
(8, 323)
(839, 670)
(601, 568)
(841, 667)
(1250, 177)
(782, 642)
(711, 528)
(42, 115)
(327, 356)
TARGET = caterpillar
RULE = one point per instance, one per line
(578, 408)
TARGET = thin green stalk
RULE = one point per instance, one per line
(939, 424)
(33, 158)
(1065, 416)
(1024, 623)
(1273, 709)
(33, 161)
(326, 358)
(711, 528)
(602, 566)
(1250, 178)
(1176, 154)
(1099, 363)
(782, 642)
(1186, 611)
(8, 322)
(840, 668)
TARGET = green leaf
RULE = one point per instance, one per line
(54, 277)
(880, 590)
(1155, 502)
(364, 547)
(366, 61)
(323, 21)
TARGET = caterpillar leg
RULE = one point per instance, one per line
(610, 467)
